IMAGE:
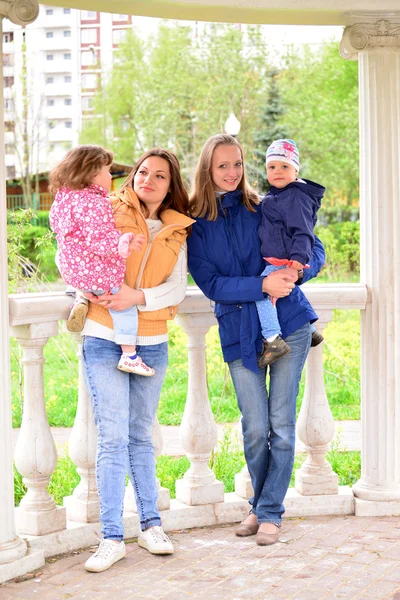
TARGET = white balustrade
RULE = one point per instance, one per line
(198, 431)
(83, 506)
(35, 452)
(315, 425)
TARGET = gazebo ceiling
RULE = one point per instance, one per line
(290, 12)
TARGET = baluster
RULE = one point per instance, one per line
(84, 505)
(315, 425)
(198, 430)
(35, 452)
(164, 495)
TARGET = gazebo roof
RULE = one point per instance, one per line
(290, 12)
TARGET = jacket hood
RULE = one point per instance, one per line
(310, 187)
(169, 217)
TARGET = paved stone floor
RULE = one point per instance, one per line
(317, 558)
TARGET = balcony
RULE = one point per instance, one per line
(60, 111)
(201, 500)
(58, 65)
(58, 89)
(62, 134)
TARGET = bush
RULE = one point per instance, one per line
(342, 247)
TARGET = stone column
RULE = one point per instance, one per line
(35, 452)
(198, 432)
(315, 425)
(14, 559)
(84, 505)
(374, 39)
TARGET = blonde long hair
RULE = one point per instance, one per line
(202, 198)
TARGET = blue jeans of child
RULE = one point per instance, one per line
(269, 424)
(125, 321)
(267, 312)
(124, 407)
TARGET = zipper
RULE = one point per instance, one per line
(148, 249)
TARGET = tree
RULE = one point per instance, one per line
(176, 90)
(270, 130)
(320, 98)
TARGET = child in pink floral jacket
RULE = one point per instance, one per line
(91, 251)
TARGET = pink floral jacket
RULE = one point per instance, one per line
(87, 239)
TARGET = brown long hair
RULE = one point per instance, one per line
(177, 197)
(202, 199)
(78, 167)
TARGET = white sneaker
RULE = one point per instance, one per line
(136, 366)
(108, 553)
(155, 541)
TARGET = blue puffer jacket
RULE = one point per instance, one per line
(225, 261)
(289, 216)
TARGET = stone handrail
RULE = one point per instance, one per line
(34, 319)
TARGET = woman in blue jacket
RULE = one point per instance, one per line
(225, 262)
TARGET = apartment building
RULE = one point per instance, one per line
(52, 69)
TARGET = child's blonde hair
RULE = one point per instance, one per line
(78, 168)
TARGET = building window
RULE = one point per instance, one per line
(51, 124)
(67, 78)
(8, 60)
(9, 148)
(9, 126)
(89, 81)
(49, 57)
(50, 101)
(8, 82)
(89, 36)
(49, 79)
(49, 34)
(120, 17)
(89, 15)
(49, 11)
(68, 124)
(118, 35)
(67, 33)
(8, 37)
(67, 11)
(8, 104)
(88, 58)
(67, 56)
(10, 172)
(87, 103)
(68, 101)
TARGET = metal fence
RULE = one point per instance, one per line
(40, 204)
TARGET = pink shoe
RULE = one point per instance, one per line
(136, 366)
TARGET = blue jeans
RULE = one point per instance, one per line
(267, 312)
(125, 321)
(124, 407)
(269, 424)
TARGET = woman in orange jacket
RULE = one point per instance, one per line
(152, 202)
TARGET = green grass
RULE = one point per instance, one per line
(226, 461)
(341, 363)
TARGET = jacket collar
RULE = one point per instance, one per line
(169, 217)
(230, 199)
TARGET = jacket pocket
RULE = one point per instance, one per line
(223, 309)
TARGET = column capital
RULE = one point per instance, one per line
(369, 31)
(20, 12)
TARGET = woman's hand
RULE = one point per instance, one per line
(280, 283)
(124, 299)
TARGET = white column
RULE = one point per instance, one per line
(84, 505)
(164, 495)
(375, 40)
(315, 425)
(198, 431)
(14, 559)
(35, 451)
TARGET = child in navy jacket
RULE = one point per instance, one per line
(289, 214)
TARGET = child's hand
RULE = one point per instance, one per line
(296, 265)
(137, 242)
